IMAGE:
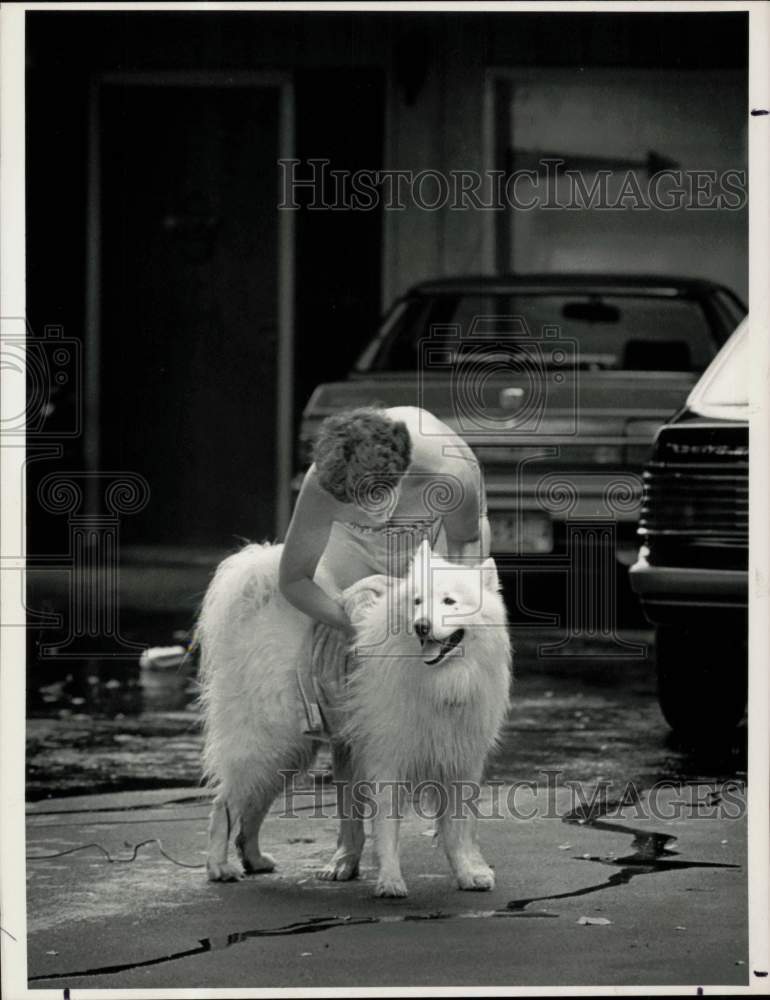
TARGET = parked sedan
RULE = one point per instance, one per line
(691, 574)
(558, 383)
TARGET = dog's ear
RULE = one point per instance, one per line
(423, 552)
(421, 562)
(420, 573)
(490, 579)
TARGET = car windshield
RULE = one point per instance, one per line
(624, 332)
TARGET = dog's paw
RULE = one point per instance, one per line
(254, 862)
(390, 886)
(259, 865)
(339, 870)
(223, 872)
(477, 880)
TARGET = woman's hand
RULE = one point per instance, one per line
(313, 601)
(360, 596)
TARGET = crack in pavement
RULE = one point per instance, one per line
(633, 865)
(647, 846)
(311, 926)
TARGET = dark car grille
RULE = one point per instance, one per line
(695, 500)
(704, 503)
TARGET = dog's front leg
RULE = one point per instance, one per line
(350, 840)
(458, 833)
(385, 826)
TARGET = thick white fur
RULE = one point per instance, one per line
(407, 720)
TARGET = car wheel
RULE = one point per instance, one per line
(702, 679)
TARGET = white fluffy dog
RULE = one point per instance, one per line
(425, 703)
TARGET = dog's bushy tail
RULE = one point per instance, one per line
(251, 640)
(242, 584)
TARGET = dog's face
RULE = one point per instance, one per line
(436, 616)
(449, 602)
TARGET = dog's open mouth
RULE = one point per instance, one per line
(434, 651)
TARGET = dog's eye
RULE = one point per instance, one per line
(449, 600)
(417, 600)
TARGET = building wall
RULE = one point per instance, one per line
(687, 104)
(442, 128)
(693, 119)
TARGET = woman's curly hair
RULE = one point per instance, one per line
(361, 453)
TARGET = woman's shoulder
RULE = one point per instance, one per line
(436, 445)
(422, 423)
(410, 415)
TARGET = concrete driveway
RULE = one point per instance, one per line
(652, 893)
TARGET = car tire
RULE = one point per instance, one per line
(702, 680)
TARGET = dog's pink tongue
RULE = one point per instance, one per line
(431, 650)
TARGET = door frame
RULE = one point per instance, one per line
(282, 82)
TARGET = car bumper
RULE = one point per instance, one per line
(542, 538)
(665, 589)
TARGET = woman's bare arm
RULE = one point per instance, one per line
(306, 540)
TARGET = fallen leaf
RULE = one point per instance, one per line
(56, 953)
(590, 921)
(565, 847)
(680, 928)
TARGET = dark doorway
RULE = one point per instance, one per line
(189, 306)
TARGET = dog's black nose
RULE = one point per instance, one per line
(422, 627)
